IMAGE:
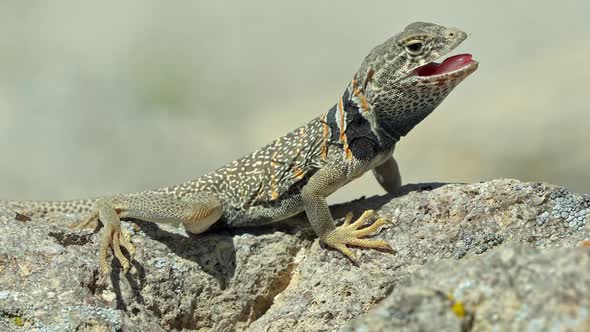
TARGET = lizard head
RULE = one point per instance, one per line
(400, 81)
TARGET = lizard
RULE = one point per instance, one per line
(397, 85)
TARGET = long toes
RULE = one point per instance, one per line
(113, 239)
(346, 251)
(370, 244)
(348, 219)
(369, 230)
(118, 253)
(125, 242)
(350, 234)
(362, 219)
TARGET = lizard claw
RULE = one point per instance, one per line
(113, 237)
(350, 234)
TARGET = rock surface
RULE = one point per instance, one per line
(498, 255)
(508, 289)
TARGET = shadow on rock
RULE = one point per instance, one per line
(213, 252)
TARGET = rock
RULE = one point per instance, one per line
(469, 256)
(508, 289)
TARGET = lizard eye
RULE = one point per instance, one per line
(415, 47)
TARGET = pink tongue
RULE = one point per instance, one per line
(453, 63)
(450, 64)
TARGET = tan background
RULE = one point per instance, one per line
(117, 96)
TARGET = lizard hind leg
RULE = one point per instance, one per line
(196, 213)
(113, 237)
(201, 213)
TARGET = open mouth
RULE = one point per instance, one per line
(449, 65)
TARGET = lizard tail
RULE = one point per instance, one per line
(43, 208)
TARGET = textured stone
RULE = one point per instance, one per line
(509, 289)
(458, 244)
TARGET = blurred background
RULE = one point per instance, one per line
(119, 96)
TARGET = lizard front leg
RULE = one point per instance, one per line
(388, 176)
(197, 214)
(322, 183)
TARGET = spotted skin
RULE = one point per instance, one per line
(384, 100)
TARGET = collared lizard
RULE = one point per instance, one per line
(396, 87)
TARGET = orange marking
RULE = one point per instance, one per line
(356, 92)
(368, 78)
(324, 152)
(353, 83)
(343, 138)
(347, 152)
(364, 103)
(273, 181)
(342, 125)
(274, 195)
(298, 173)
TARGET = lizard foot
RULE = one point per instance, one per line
(113, 237)
(350, 234)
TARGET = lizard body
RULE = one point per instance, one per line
(396, 87)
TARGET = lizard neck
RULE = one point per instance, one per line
(399, 106)
(395, 125)
(386, 129)
(354, 127)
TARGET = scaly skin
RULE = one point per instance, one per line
(386, 98)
